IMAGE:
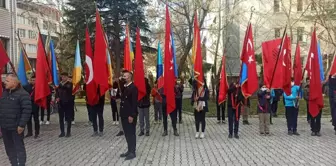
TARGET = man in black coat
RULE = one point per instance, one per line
(128, 114)
(15, 111)
(35, 110)
(64, 99)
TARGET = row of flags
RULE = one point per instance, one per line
(99, 72)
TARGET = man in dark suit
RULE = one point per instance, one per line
(128, 114)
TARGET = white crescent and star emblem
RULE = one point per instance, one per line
(250, 59)
(283, 60)
(249, 43)
(88, 62)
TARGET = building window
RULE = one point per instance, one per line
(31, 34)
(53, 27)
(3, 3)
(32, 21)
(31, 48)
(299, 5)
(300, 31)
(22, 33)
(277, 32)
(32, 62)
(276, 5)
(21, 20)
(45, 25)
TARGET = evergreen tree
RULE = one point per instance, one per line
(114, 15)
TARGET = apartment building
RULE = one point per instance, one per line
(7, 28)
(29, 16)
(271, 16)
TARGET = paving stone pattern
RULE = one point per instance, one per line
(216, 149)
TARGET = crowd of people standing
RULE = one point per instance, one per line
(18, 110)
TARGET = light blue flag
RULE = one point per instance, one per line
(320, 61)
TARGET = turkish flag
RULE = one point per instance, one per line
(270, 51)
(315, 87)
(223, 85)
(90, 87)
(3, 57)
(169, 75)
(42, 73)
(139, 74)
(248, 72)
(100, 58)
(286, 66)
(333, 68)
(297, 66)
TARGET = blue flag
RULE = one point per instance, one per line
(53, 64)
(174, 52)
(320, 61)
(22, 73)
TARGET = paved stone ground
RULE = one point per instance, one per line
(216, 149)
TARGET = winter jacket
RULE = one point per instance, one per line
(15, 108)
(64, 92)
(263, 103)
(291, 99)
(235, 96)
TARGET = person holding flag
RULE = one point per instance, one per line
(220, 107)
(332, 98)
(235, 98)
(170, 75)
(315, 73)
(200, 103)
(222, 89)
(64, 99)
(291, 110)
(35, 110)
(264, 109)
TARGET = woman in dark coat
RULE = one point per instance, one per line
(200, 103)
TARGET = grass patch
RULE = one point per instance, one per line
(186, 106)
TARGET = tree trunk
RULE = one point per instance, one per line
(182, 64)
(117, 47)
(214, 80)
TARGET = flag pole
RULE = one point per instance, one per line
(24, 50)
(277, 59)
